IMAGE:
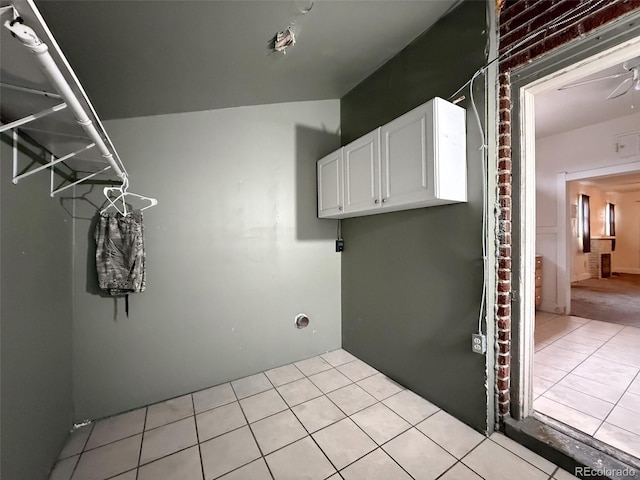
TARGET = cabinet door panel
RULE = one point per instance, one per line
(406, 171)
(330, 188)
(361, 173)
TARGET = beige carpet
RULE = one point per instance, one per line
(615, 299)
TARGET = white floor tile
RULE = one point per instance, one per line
(577, 338)
(377, 465)
(313, 365)
(606, 372)
(256, 470)
(422, 458)
(64, 468)
(116, 428)
(380, 423)
(635, 386)
(76, 441)
(541, 385)
(626, 419)
(338, 357)
(351, 399)
(450, 433)
(491, 461)
(277, 431)
(251, 385)
(213, 423)
(317, 413)
(262, 405)
(524, 453)
(547, 372)
(599, 390)
(109, 460)
(169, 411)
(130, 475)
(580, 401)
(213, 397)
(567, 415)
(575, 347)
(630, 401)
(228, 452)
(380, 386)
(299, 391)
(619, 438)
(329, 380)
(168, 439)
(357, 370)
(285, 374)
(563, 475)
(413, 408)
(344, 443)
(302, 460)
(460, 472)
(184, 465)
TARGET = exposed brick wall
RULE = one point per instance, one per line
(528, 30)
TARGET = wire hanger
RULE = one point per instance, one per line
(122, 196)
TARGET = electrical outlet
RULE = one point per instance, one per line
(478, 343)
(339, 245)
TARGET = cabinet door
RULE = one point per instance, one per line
(362, 174)
(330, 188)
(407, 176)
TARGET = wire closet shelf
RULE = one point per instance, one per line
(43, 100)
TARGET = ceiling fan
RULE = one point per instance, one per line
(632, 80)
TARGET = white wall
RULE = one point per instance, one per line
(626, 258)
(234, 252)
(598, 200)
(571, 152)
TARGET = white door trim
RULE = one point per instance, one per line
(574, 72)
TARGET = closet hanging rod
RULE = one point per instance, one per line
(27, 36)
(80, 181)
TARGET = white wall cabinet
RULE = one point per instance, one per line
(330, 186)
(417, 160)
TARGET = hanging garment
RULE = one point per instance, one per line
(120, 253)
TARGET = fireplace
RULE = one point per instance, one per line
(605, 265)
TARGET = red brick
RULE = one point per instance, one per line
(504, 287)
(504, 128)
(505, 226)
(503, 407)
(503, 384)
(505, 115)
(504, 190)
(505, 202)
(504, 347)
(504, 152)
(504, 263)
(504, 310)
(504, 275)
(505, 251)
(504, 140)
(505, 103)
(504, 335)
(505, 214)
(504, 164)
(504, 179)
(503, 359)
(504, 323)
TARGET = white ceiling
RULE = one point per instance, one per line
(559, 111)
(616, 183)
(138, 58)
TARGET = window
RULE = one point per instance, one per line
(610, 223)
(584, 222)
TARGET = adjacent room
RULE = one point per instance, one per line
(587, 328)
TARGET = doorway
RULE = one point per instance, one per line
(571, 368)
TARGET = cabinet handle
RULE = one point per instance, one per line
(340, 208)
(384, 200)
(375, 201)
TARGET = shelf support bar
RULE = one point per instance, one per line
(31, 118)
(80, 181)
(52, 163)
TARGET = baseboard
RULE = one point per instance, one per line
(635, 271)
(582, 276)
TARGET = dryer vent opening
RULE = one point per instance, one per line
(301, 320)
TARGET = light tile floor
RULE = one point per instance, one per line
(328, 417)
(586, 375)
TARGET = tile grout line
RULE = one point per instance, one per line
(616, 404)
(195, 420)
(144, 425)
(73, 472)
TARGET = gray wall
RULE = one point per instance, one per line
(35, 321)
(234, 252)
(411, 281)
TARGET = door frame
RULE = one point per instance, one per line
(609, 47)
